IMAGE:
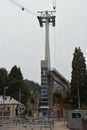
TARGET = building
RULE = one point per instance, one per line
(44, 87)
(57, 82)
(48, 76)
(51, 81)
(10, 107)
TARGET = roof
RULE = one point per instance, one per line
(61, 76)
(9, 100)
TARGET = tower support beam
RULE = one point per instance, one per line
(47, 17)
(47, 48)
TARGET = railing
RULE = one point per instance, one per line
(26, 123)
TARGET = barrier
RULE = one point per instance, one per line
(27, 123)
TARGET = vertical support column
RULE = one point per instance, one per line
(47, 48)
(50, 89)
(46, 18)
(46, 96)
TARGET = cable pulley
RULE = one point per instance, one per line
(22, 8)
(54, 4)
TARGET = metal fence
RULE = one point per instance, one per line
(26, 123)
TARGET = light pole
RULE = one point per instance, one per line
(37, 102)
(4, 100)
(19, 100)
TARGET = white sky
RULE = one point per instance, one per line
(22, 39)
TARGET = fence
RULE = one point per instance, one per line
(27, 123)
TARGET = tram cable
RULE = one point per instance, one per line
(22, 7)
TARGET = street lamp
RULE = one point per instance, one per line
(37, 100)
(19, 100)
(4, 100)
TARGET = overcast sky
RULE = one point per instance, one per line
(22, 40)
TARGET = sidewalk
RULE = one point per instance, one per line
(60, 126)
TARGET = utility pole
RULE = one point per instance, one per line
(19, 100)
(78, 99)
(4, 100)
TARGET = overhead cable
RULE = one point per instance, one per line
(22, 7)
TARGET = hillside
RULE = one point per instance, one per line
(33, 86)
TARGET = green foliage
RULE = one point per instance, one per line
(15, 73)
(32, 86)
(14, 81)
(57, 98)
(78, 76)
(3, 79)
(14, 88)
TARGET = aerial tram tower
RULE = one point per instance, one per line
(46, 18)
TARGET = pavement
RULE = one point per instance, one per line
(58, 125)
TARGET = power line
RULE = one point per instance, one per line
(22, 7)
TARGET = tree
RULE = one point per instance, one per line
(57, 98)
(3, 79)
(15, 73)
(84, 91)
(14, 88)
(16, 84)
(78, 75)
